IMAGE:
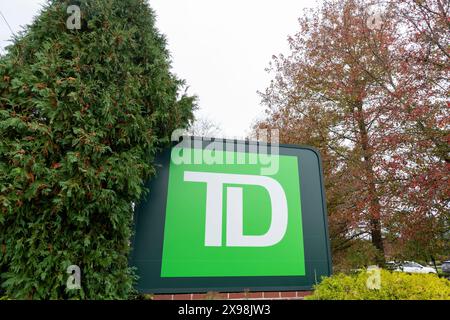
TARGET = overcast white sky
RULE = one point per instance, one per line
(221, 48)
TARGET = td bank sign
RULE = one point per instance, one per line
(216, 183)
(224, 225)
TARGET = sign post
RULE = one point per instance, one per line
(232, 216)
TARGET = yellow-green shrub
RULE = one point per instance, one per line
(394, 286)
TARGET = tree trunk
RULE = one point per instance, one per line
(374, 204)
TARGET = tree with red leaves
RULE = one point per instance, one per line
(369, 90)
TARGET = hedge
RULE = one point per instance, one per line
(393, 286)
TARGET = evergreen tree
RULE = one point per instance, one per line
(82, 113)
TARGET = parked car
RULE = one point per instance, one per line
(446, 268)
(414, 267)
(391, 265)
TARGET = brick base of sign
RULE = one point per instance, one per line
(285, 295)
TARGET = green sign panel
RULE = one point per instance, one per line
(240, 230)
(224, 216)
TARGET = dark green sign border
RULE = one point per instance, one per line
(149, 222)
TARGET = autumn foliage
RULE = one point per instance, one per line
(370, 91)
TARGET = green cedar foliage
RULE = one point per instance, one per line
(82, 113)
